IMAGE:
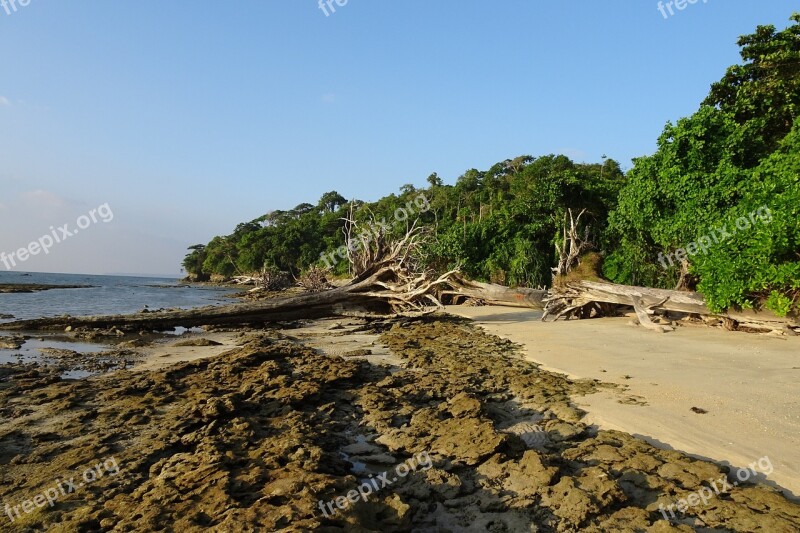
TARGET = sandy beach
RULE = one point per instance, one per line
(748, 384)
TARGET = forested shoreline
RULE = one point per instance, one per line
(737, 155)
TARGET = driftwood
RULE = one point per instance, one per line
(643, 313)
(493, 294)
(583, 299)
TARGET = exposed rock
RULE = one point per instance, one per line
(11, 343)
(197, 342)
(252, 440)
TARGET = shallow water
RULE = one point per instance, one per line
(108, 295)
(29, 351)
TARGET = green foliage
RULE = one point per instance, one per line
(669, 195)
(500, 225)
(193, 262)
(761, 262)
(779, 303)
(737, 154)
(763, 94)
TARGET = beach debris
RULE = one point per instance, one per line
(572, 245)
(460, 289)
(698, 410)
(315, 279)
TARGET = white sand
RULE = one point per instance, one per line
(749, 384)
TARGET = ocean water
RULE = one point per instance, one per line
(109, 295)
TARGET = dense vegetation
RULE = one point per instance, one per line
(738, 155)
(498, 224)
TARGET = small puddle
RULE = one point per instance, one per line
(180, 330)
(76, 374)
(358, 453)
(29, 351)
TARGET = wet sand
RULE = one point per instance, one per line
(748, 384)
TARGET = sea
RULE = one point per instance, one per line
(107, 295)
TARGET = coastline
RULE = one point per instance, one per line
(318, 402)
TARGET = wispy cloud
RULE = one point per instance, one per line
(4, 101)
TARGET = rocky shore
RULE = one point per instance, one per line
(36, 287)
(257, 438)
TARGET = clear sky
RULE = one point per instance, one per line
(188, 117)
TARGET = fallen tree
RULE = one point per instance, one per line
(586, 299)
(461, 289)
(372, 295)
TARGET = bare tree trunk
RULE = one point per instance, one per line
(493, 294)
(572, 245)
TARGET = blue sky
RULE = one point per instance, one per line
(190, 117)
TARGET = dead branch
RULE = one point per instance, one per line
(315, 279)
(572, 245)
